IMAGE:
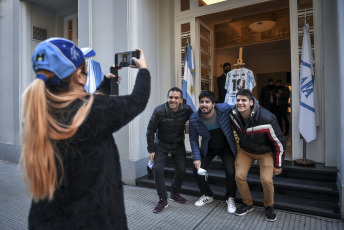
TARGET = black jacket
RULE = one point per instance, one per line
(168, 126)
(221, 81)
(284, 94)
(265, 96)
(91, 193)
(261, 134)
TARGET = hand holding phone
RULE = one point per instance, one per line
(141, 61)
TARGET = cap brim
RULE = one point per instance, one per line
(88, 52)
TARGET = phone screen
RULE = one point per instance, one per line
(124, 59)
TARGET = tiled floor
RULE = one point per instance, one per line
(140, 202)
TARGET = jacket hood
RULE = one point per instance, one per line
(255, 106)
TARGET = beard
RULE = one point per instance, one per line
(207, 112)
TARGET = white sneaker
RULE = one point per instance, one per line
(231, 208)
(203, 200)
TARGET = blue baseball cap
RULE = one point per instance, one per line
(58, 55)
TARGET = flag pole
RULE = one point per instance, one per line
(304, 161)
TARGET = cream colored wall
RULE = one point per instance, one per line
(9, 72)
(119, 26)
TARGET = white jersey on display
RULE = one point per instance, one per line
(238, 79)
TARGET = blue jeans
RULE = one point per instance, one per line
(178, 154)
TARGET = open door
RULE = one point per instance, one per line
(204, 57)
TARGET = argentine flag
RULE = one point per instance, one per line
(188, 83)
(94, 76)
(309, 117)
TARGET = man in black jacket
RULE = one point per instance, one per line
(261, 139)
(282, 94)
(221, 81)
(266, 97)
(168, 124)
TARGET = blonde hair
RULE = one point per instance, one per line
(41, 131)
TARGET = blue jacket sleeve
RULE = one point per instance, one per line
(193, 134)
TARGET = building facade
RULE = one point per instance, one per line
(219, 33)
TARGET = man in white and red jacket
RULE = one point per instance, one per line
(261, 139)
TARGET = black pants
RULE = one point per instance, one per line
(178, 154)
(228, 160)
(281, 113)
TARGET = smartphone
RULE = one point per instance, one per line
(124, 59)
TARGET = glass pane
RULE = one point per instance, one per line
(205, 58)
(205, 33)
(184, 5)
(205, 86)
(205, 45)
(209, 2)
(185, 27)
(205, 73)
(184, 42)
(301, 21)
(185, 33)
(305, 13)
(304, 4)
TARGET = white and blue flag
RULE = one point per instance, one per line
(309, 116)
(188, 82)
(94, 76)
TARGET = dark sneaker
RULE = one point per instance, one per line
(270, 213)
(161, 205)
(177, 198)
(243, 209)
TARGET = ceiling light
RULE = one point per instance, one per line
(210, 2)
(261, 26)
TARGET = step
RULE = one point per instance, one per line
(319, 172)
(285, 202)
(318, 190)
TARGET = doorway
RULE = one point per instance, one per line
(70, 30)
(257, 38)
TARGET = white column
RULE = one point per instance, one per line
(85, 23)
(340, 110)
(133, 43)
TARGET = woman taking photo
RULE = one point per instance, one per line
(71, 162)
